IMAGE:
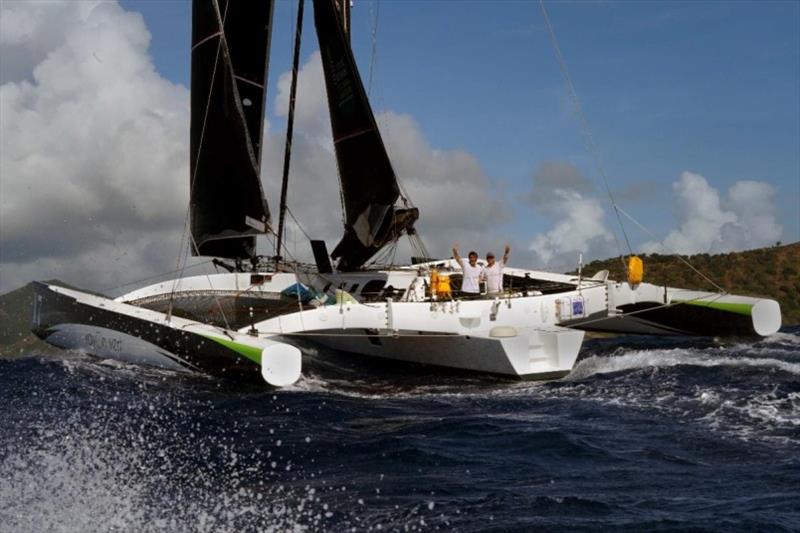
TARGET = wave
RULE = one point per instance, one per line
(671, 358)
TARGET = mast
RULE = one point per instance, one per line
(287, 155)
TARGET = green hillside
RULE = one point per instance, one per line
(769, 272)
(15, 320)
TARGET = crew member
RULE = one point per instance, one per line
(493, 272)
(470, 282)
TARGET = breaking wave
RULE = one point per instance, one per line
(670, 358)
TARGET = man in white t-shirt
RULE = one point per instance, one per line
(473, 272)
(493, 272)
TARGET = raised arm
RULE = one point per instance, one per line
(455, 254)
(506, 251)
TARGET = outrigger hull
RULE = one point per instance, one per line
(653, 310)
(102, 327)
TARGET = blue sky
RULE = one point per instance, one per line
(694, 106)
(710, 87)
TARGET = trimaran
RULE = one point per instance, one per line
(253, 318)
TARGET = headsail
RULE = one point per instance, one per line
(369, 185)
(230, 51)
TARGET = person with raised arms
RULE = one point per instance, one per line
(473, 272)
(493, 272)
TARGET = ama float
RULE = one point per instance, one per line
(254, 319)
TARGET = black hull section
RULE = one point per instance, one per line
(106, 333)
(650, 318)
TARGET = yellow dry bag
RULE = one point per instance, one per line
(635, 270)
(443, 286)
(434, 286)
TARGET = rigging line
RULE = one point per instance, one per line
(679, 256)
(394, 252)
(424, 249)
(298, 223)
(711, 298)
(216, 298)
(587, 132)
(287, 155)
(596, 153)
(374, 32)
(186, 229)
(156, 276)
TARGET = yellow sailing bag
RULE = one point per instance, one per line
(635, 270)
(434, 286)
(443, 286)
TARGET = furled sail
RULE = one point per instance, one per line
(368, 182)
(230, 51)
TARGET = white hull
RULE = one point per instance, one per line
(523, 356)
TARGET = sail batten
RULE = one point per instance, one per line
(368, 181)
(230, 51)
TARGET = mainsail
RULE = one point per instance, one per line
(368, 182)
(230, 51)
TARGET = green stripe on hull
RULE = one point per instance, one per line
(739, 309)
(250, 352)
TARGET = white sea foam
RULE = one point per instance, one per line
(671, 358)
(113, 475)
(782, 337)
(72, 485)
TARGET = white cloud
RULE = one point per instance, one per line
(752, 201)
(311, 117)
(94, 155)
(31, 30)
(711, 224)
(93, 164)
(562, 194)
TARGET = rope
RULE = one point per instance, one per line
(186, 230)
(208, 278)
(679, 256)
(714, 297)
(155, 276)
(595, 152)
(374, 36)
(297, 223)
(587, 132)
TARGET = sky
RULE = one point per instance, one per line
(693, 108)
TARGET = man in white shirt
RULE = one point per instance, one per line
(493, 272)
(470, 283)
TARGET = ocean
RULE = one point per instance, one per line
(646, 434)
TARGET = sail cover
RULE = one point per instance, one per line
(230, 50)
(368, 182)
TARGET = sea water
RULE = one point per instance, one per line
(645, 434)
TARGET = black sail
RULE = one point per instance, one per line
(230, 51)
(368, 182)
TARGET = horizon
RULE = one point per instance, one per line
(698, 129)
